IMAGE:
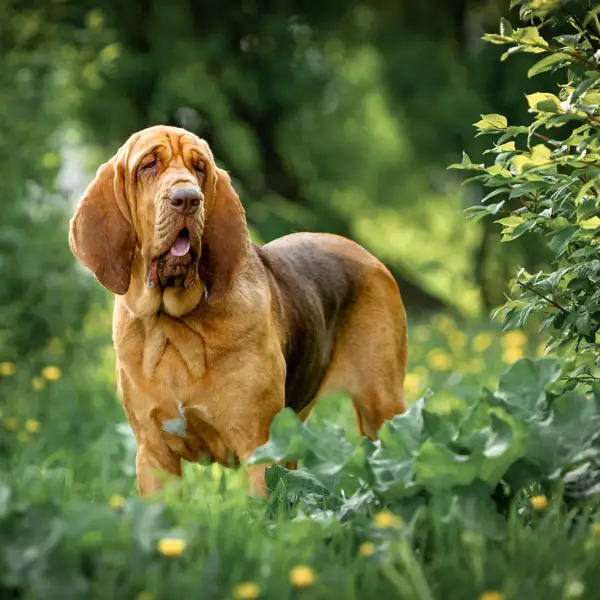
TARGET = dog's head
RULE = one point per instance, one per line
(161, 222)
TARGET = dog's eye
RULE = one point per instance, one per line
(199, 168)
(149, 164)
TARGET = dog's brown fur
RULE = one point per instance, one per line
(232, 332)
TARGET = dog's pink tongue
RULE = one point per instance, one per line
(182, 244)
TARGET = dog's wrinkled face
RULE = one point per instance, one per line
(161, 224)
(171, 172)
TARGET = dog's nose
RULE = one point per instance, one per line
(185, 200)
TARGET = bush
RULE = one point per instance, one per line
(545, 178)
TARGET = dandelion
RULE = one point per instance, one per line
(412, 383)
(247, 591)
(32, 426)
(38, 383)
(386, 519)
(116, 501)
(438, 360)
(539, 502)
(366, 549)
(302, 576)
(512, 354)
(11, 423)
(482, 341)
(491, 595)
(171, 547)
(7, 368)
(51, 373)
(144, 596)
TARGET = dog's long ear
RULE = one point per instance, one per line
(225, 241)
(100, 236)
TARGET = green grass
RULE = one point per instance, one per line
(72, 526)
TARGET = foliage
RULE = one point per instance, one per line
(545, 178)
(363, 521)
(41, 294)
(523, 434)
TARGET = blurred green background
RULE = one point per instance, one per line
(333, 116)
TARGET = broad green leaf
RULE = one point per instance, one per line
(543, 102)
(561, 239)
(439, 468)
(491, 122)
(473, 509)
(285, 440)
(547, 63)
(522, 388)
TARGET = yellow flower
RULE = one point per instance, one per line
(32, 425)
(482, 341)
(171, 547)
(366, 549)
(539, 502)
(38, 383)
(144, 596)
(541, 349)
(302, 576)
(412, 383)
(596, 528)
(512, 354)
(438, 360)
(11, 423)
(7, 369)
(491, 595)
(385, 519)
(514, 338)
(247, 591)
(51, 373)
(116, 501)
(216, 470)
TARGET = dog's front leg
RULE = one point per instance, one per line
(152, 465)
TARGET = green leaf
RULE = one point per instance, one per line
(506, 28)
(491, 122)
(285, 440)
(439, 468)
(561, 239)
(522, 388)
(543, 102)
(547, 63)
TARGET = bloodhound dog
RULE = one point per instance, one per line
(215, 335)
